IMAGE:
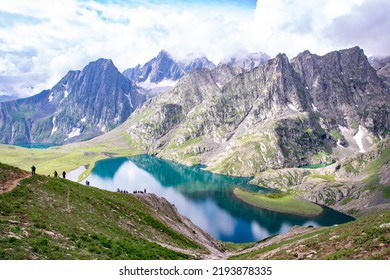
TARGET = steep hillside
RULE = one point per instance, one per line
(47, 218)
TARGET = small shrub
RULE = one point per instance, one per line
(346, 201)
(350, 169)
(336, 134)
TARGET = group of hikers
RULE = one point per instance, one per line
(124, 191)
(56, 174)
(34, 169)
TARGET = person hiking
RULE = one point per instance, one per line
(33, 168)
(55, 174)
(64, 174)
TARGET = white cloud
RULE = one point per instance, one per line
(367, 25)
(296, 25)
(68, 36)
(45, 39)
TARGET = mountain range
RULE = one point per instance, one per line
(287, 113)
(88, 103)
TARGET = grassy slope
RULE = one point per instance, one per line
(365, 238)
(10, 173)
(284, 203)
(47, 218)
(372, 181)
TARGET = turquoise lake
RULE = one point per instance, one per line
(37, 145)
(206, 198)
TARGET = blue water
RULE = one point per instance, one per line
(37, 145)
(206, 198)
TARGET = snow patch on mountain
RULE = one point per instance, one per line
(51, 96)
(54, 129)
(129, 98)
(359, 137)
(76, 131)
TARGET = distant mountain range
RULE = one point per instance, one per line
(87, 103)
(162, 72)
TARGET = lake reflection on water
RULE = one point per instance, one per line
(206, 198)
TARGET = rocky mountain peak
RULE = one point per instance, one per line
(101, 62)
(101, 67)
(281, 61)
(163, 54)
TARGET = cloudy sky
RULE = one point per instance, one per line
(41, 40)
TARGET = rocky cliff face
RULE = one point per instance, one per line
(82, 105)
(345, 88)
(312, 109)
